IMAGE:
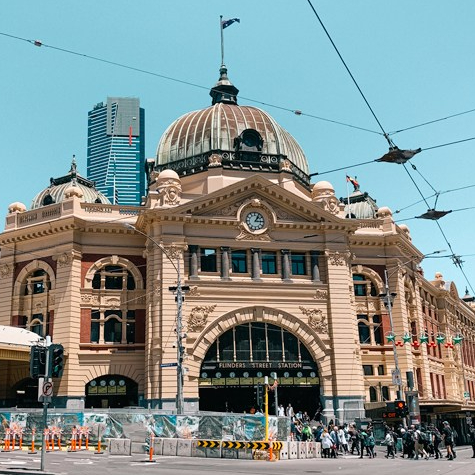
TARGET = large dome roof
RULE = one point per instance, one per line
(65, 186)
(216, 128)
(221, 127)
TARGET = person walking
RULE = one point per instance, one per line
(370, 443)
(362, 437)
(448, 440)
(436, 440)
(472, 440)
(327, 443)
(389, 443)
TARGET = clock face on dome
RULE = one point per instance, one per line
(255, 221)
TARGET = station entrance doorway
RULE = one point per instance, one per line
(241, 358)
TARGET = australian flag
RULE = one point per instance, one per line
(226, 23)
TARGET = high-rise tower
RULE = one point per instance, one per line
(116, 149)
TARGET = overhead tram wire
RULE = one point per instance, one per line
(430, 122)
(39, 43)
(188, 83)
(392, 146)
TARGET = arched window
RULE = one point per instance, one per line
(34, 305)
(370, 330)
(363, 286)
(37, 282)
(113, 277)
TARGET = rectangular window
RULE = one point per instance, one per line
(239, 262)
(208, 260)
(243, 349)
(95, 317)
(381, 370)
(368, 370)
(258, 335)
(269, 263)
(298, 264)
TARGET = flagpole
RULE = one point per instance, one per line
(348, 195)
(222, 38)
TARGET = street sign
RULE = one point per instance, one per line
(168, 365)
(396, 374)
(466, 395)
(45, 390)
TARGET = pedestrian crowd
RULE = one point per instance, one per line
(418, 442)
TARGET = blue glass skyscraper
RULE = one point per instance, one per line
(116, 149)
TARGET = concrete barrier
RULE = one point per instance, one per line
(169, 447)
(207, 452)
(311, 450)
(120, 446)
(184, 448)
(318, 449)
(229, 453)
(158, 446)
(302, 450)
(244, 454)
(284, 451)
(293, 450)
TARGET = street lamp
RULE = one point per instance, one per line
(179, 290)
(388, 300)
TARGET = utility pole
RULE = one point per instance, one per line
(47, 379)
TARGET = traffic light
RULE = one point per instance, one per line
(56, 360)
(400, 408)
(37, 361)
(259, 392)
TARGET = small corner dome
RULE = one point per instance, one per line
(16, 207)
(72, 184)
(323, 186)
(167, 173)
(384, 212)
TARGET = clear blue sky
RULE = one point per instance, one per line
(412, 59)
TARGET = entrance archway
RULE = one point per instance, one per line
(25, 393)
(240, 359)
(112, 390)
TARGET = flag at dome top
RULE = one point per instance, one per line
(352, 181)
(226, 23)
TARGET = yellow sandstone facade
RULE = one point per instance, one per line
(281, 280)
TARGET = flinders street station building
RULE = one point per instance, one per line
(279, 278)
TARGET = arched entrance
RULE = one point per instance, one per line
(243, 356)
(112, 390)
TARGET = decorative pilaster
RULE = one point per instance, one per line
(285, 265)
(225, 263)
(314, 264)
(194, 262)
(256, 265)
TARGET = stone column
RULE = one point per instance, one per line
(193, 262)
(256, 265)
(225, 263)
(285, 265)
(314, 264)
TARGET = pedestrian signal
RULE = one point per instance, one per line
(400, 408)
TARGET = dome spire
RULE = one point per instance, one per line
(224, 91)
